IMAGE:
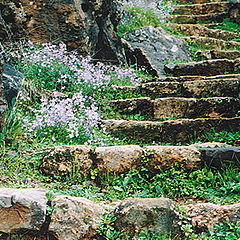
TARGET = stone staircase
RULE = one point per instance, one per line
(192, 101)
(198, 97)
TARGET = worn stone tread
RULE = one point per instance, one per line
(205, 18)
(197, 88)
(212, 43)
(202, 31)
(178, 107)
(218, 54)
(182, 131)
(203, 68)
(201, 9)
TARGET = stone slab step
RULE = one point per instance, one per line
(212, 43)
(192, 78)
(197, 1)
(178, 107)
(164, 108)
(182, 131)
(60, 160)
(217, 54)
(197, 89)
(198, 30)
(201, 9)
(142, 106)
(203, 68)
(194, 19)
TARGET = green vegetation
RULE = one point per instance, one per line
(228, 25)
(139, 18)
(140, 14)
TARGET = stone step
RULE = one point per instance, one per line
(197, 89)
(217, 54)
(24, 213)
(178, 107)
(197, 1)
(163, 108)
(203, 68)
(198, 30)
(181, 131)
(192, 78)
(60, 160)
(194, 19)
(202, 9)
(212, 43)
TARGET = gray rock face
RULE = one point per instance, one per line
(155, 215)
(12, 82)
(22, 209)
(218, 156)
(152, 48)
(80, 24)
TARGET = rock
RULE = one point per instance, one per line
(217, 157)
(212, 43)
(205, 68)
(141, 105)
(65, 160)
(12, 82)
(203, 216)
(155, 215)
(118, 159)
(211, 88)
(234, 11)
(163, 157)
(153, 48)
(80, 24)
(177, 131)
(22, 209)
(74, 218)
(201, 9)
(178, 107)
(3, 102)
(198, 30)
(217, 54)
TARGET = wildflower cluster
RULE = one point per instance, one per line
(84, 85)
(52, 67)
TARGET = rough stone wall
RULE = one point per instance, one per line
(84, 25)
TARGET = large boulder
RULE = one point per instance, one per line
(85, 25)
(10, 85)
(74, 218)
(22, 209)
(155, 215)
(12, 82)
(152, 48)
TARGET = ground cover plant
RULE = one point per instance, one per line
(64, 92)
(140, 14)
